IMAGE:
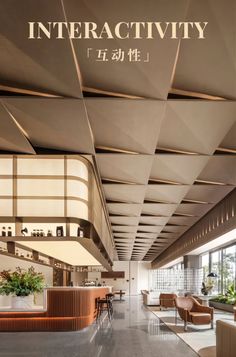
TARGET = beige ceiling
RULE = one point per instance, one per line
(209, 66)
(164, 159)
(149, 80)
(45, 66)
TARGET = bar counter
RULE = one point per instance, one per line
(67, 309)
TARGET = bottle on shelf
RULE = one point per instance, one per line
(59, 231)
(3, 231)
(37, 233)
(49, 233)
(24, 231)
(41, 233)
(9, 232)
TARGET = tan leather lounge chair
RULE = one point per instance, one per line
(167, 300)
(191, 311)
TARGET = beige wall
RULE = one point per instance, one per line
(137, 274)
(7, 263)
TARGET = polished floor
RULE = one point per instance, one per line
(133, 332)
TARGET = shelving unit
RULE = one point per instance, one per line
(46, 192)
(13, 247)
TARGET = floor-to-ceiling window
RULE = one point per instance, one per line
(228, 267)
(215, 267)
(222, 262)
(205, 265)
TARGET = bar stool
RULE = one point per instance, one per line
(110, 298)
(105, 305)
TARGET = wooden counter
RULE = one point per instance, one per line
(68, 309)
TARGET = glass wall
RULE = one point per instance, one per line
(228, 266)
(177, 280)
(205, 265)
(223, 263)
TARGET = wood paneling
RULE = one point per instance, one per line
(113, 275)
(68, 309)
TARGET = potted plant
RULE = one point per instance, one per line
(225, 301)
(22, 285)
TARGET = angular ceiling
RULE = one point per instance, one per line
(162, 133)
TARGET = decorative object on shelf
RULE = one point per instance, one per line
(49, 233)
(80, 232)
(4, 232)
(24, 231)
(59, 231)
(206, 288)
(209, 285)
(21, 284)
(9, 232)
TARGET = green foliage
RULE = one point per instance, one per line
(228, 298)
(21, 282)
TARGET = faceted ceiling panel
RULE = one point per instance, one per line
(124, 193)
(220, 170)
(124, 209)
(149, 229)
(229, 141)
(133, 221)
(192, 209)
(155, 221)
(208, 66)
(125, 168)
(41, 66)
(207, 193)
(166, 193)
(149, 79)
(124, 229)
(62, 122)
(202, 124)
(124, 236)
(182, 221)
(11, 136)
(159, 209)
(125, 118)
(177, 169)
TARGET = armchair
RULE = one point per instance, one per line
(167, 300)
(191, 311)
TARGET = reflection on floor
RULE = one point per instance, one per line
(133, 332)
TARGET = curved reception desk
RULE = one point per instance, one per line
(67, 309)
